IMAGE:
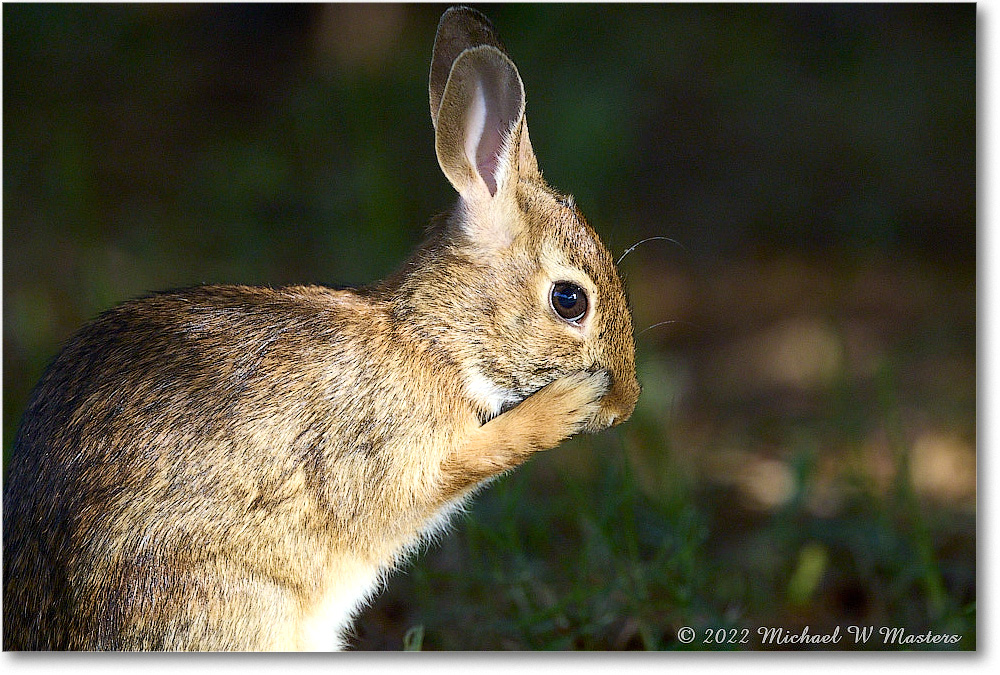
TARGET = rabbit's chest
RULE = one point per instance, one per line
(349, 585)
(351, 582)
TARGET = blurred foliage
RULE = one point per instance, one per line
(804, 452)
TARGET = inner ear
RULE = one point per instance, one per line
(489, 124)
(481, 110)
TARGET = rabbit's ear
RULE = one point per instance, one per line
(479, 122)
(460, 28)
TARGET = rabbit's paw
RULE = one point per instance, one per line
(562, 408)
(541, 421)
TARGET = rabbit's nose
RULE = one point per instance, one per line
(621, 399)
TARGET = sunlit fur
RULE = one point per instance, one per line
(238, 468)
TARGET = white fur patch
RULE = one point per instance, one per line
(351, 585)
(486, 394)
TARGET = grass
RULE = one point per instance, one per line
(544, 562)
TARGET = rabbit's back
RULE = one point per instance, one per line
(178, 448)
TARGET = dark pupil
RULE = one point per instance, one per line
(569, 301)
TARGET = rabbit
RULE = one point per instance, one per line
(240, 468)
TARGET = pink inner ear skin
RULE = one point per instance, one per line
(490, 142)
(501, 91)
(483, 102)
(487, 164)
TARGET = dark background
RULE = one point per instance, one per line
(804, 450)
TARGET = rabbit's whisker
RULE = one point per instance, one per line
(664, 323)
(647, 239)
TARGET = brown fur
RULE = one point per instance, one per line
(220, 467)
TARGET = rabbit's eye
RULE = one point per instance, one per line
(569, 301)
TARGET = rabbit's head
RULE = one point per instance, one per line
(514, 281)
